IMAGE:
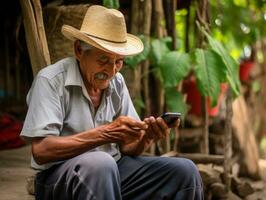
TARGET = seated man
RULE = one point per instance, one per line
(86, 135)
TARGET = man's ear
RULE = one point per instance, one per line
(77, 49)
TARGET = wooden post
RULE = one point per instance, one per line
(147, 14)
(205, 116)
(35, 34)
(169, 10)
(228, 140)
(41, 31)
(158, 15)
(202, 17)
(135, 73)
(147, 11)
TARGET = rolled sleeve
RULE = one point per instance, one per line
(44, 116)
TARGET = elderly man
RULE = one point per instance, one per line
(86, 135)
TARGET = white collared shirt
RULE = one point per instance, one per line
(58, 104)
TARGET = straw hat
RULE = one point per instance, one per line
(105, 29)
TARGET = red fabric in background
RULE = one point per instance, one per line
(9, 132)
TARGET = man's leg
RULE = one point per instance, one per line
(91, 175)
(159, 178)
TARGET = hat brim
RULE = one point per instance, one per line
(132, 46)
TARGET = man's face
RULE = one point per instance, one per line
(99, 67)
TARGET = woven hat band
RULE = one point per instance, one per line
(122, 42)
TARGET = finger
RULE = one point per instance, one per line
(135, 124)
(165, 130)
(149, 132)
(162, 124)
(156, 130)
(147, 120)
(177, 124)
(126, 131)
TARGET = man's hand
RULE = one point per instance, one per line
(135, 136)
(158, 129)
(125, 130)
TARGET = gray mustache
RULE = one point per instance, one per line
(101, 76)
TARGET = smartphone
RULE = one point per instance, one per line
(170, 117)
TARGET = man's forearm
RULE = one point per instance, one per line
(56, 148)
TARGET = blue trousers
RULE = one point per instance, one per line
(96, 176)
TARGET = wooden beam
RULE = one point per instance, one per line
(34, 42)
(197, 157)
(41, 30)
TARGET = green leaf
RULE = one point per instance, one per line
(116, 4)
(210, 71)
(174, 101)
(232, 67)
(111, 3)
(174, 67)
(158, 49)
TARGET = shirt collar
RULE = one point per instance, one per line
(73, 76)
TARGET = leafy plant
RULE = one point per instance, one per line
(175, 101)
(247, 26)
(230, 66)
(111, 3)
(159, 48)
(174, 67)
(210, 72)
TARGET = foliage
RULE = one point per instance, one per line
(210, 72)
(238, 23)
(231, 67)
(159, 48)
(175, 101)
(211, 67)
(174, 67)
(111, 3)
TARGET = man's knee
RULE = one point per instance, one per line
(95, 163)
(186, 171)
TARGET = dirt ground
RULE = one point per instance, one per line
(14, 170)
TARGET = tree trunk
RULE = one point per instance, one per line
(133, 76)
(169, 8)
(159, 90)
(228, 140)
(147, 10)
(202, 17)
